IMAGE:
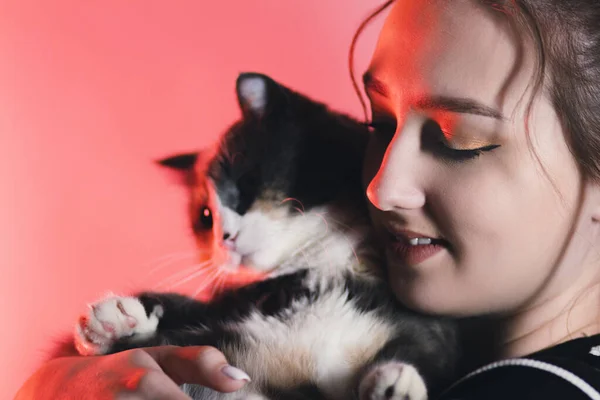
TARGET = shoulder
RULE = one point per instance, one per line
(568, 371)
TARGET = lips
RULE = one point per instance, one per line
(413, 248)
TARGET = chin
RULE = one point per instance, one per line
(440, 305)
(421, 296)
(259, 261)
(233, 262)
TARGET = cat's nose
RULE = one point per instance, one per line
(229, 240)
(228, 237)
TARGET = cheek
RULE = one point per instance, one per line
(508, 233)
(257, 231)
(228, 221)
(265, 237)
(204, 244)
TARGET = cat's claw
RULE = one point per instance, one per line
(393, 381)
(112, 319)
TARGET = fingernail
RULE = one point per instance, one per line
(235, 373)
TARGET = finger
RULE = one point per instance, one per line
(202, 365)
(155, 385)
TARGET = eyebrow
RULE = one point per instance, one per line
(446, 103)
(373, 84)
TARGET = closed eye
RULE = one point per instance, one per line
(433, 140)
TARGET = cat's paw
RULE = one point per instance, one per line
(112, 319)
(393, 381)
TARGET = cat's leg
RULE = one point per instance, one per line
(119, 323)
(132, 321)
(113, 318)
(410, 367)
(392, 381)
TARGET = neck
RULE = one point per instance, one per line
(570, 315)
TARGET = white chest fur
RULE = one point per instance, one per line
(324, 343)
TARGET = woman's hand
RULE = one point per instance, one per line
(148, 373)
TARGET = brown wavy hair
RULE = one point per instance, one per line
(566, 35)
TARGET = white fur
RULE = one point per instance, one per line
(251, 396)
(254, 91)
(112, 318)
(277, 241)
(328, 340)
(402, 380)
(203, 393)
(303, 239)
(325, 342)
(332, 338)
(230, 220)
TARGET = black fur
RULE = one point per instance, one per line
(296, 148)
(425, 342)
(180, 161)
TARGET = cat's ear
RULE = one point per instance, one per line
(180, 162)
(182, 167)
(258, 94)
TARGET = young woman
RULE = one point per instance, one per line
(486, 135)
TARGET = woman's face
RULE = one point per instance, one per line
(450, 160)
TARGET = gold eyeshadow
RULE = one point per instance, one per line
(461, 142)
(456, 138)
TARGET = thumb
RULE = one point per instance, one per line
(202, 365)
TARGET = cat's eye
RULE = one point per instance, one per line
(204, 220)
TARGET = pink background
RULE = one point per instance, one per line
(90, 93)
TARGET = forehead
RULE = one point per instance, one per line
(451, 48)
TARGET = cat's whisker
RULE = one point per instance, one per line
(226, 274)
(355, 255)
(174, 262)
(220, 281)
(175, 254)
(165, 260)
(300, 207)
(340, 224)
(213, 276)
(335, 220)
(190, 277)
(346, 237)
(322, 216)
(186, 272)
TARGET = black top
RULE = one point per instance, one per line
(568, 371)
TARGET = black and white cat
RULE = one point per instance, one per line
(282, 193)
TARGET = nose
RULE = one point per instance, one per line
(229, 240)
(229, 237)
(398, 181)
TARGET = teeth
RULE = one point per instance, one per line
(419, 241)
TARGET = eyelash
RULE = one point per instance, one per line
(389, 129)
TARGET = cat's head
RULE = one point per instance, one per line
(264, 191)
